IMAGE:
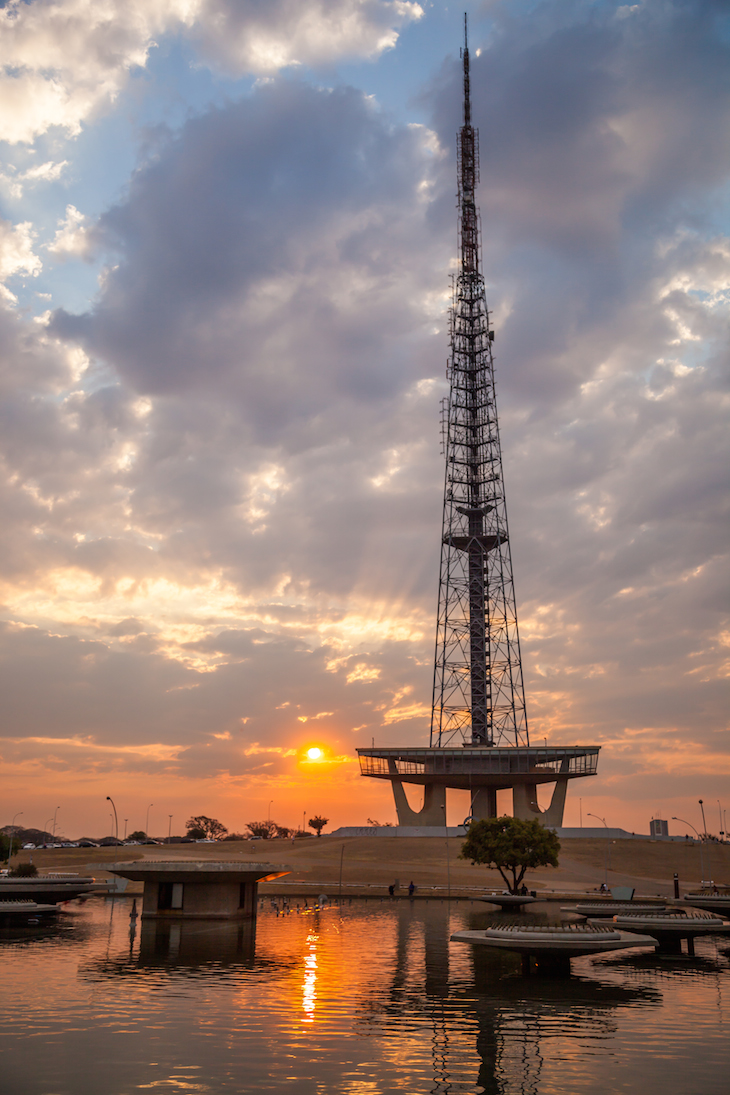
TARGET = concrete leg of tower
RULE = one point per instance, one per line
(484, 802)
(434, 805)
(525, 805)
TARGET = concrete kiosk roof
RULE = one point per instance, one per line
(195, 870)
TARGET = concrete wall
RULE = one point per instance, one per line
(204, 900)
(398, 830)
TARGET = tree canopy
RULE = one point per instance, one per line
(138, 834)
(512, 846)
(317, 823)
(266, 830)
(209, 826)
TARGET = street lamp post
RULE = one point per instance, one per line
(116, 822)
(704, 823)
(607, 855)
(54, 821)
(722, 827)
(268, 816)
(12, 833)
(169, 828)
(147, 822)
(304, 818)
(699, 839)
(125, 828)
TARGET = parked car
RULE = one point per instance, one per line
(87, 844)
(28, 847)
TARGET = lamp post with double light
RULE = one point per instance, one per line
(699, 840)
(116, 822)
(607, 855)
(704, 823)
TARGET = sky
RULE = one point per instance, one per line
(227, 229)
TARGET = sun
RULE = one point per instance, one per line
(314, 753)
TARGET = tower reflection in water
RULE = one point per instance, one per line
(477, 998)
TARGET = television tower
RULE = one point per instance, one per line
(479, 740)
(478, 694)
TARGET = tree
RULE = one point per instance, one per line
(209, 826)
(24, 870)
(317, 823)
(511, 845)
(264, 829)
(137, 835)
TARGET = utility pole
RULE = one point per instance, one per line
(478, 694)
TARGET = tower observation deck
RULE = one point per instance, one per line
(479, 732)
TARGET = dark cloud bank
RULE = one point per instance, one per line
(275, 293)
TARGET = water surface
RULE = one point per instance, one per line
(364, 1000)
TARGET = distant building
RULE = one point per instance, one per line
(657, 827)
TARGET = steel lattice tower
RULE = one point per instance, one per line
(478, 694)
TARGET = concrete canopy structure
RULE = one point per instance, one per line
(198, 889)
(479, 731)
(483, 772)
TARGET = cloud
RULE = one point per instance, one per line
(265, 37)
(16, 254)
(74, 237)
(224, 477)
(66, 60)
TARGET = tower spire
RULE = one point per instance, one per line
(478, 694)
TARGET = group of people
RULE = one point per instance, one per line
(411, 889)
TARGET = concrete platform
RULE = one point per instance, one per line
(198, 889)
(671, 928)
(49, 888)
(554, 945)
(717, 903)
(612, 908)
(13, 913)
(507, 900)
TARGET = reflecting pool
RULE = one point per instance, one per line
(368, 999)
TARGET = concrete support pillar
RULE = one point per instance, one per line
(484, 802)
(432, 814)
(525, 805)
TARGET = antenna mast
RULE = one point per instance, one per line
(478, 694)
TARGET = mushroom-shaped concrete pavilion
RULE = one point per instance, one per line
(198, 889)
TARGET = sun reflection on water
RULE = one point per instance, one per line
(309, 985)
